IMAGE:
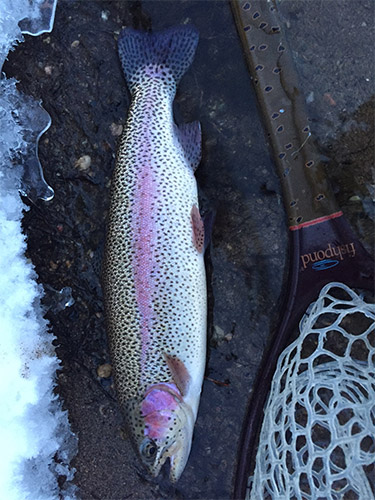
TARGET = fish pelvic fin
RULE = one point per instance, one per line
(165, 55)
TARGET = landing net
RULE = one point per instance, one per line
(318, 434)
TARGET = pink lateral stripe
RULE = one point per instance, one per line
(316, 221)
(144, 235)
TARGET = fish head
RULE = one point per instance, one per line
(167, 429)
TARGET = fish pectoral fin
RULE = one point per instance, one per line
(198, 229)
(179, 371)
(190, 138)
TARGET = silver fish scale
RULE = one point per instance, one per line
(173, 267)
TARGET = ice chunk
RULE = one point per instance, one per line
(35, 121)
(22, 122)
(58, 300)
(22, 112)
(23, 16)
(11, 136)
(40, 17)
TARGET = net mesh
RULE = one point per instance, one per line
(318, 434)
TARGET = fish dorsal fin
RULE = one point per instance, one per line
(190, 138)
(179, 371)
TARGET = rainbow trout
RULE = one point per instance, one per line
(154, 276)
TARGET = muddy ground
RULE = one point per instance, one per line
(76, 72)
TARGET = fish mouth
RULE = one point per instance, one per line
(178, 460)
(163, 454)
(179, 451)
(176, 452)
(169, 423)
(177, 455)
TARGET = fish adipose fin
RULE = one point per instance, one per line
(190, 138)
(167, 54)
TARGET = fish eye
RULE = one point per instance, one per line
(148, 449)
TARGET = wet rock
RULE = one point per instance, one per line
(83, 163)
(116, 129)
(104, 371)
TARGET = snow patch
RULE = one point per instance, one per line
(37, 443)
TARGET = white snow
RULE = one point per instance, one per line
(36, 441)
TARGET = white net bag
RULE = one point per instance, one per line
(318, 434)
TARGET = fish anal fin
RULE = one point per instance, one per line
(179, 372)
(190, 138)
(198, 229)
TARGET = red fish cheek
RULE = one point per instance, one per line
(157, 400)
(157, 424)
(157, 410)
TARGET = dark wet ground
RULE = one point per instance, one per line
(76, 72)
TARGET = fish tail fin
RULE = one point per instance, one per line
(165, 55)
